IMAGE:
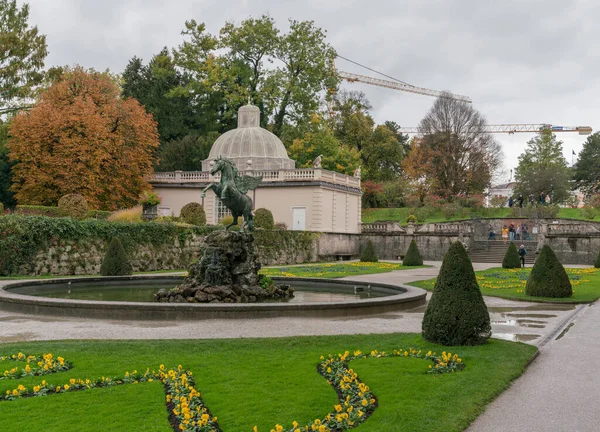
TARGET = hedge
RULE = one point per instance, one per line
(548, 277)
(511, 257)
(21, 237)
(413, 256)
(369, 254)
(50, 211)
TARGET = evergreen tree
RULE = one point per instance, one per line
(586, 171)
(511, 257)
(543, 168)
(413, 256)
(548, 277)
(116, 262)
(456, 313)
(597, 263)
(369, 254)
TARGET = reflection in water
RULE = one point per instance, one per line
(141, 291)
(515, 337)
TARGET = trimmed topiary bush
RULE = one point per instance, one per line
(73, 205)
(1, 208)
(511, 257)
(597, 263)
(193, 214)
(411, 219)
(548, 277)
(116, 262)
(456, 313)
(413, 256)
(263, 218)
(369, 254)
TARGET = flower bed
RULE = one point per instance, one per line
(184, 403)
(334, 270)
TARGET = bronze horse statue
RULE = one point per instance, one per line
(231, 190)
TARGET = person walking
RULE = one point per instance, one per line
(525, 232)
(518, 232)
(542, 198)
(511, 232)
(547, 199)
(520, 200)
(511, 201)
(522, 252)
(504, 233)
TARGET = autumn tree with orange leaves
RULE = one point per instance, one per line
(81, 137)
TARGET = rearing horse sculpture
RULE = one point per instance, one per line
(231, 190)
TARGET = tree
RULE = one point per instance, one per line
(152, 86)
(455, 155)
(81, 137)
(586, 172)
(511, 257)
(319, 140)
(185, 154)
(369, 254)
(456, 313)
(22, 54)
(548, 277)
(115, 262)
(543, 168)
(413, 256)
(193, 213)
(6, 195)
(381, 147)
(308, 70)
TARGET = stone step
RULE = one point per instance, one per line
(495, 250)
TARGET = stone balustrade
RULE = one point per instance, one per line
(294, 175)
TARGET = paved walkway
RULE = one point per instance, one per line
(559, 392)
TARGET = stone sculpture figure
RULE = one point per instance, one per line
(357, 172)
(231, 190)
(317, 161)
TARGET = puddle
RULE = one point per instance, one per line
(537, 307)
(25, 318)
(18, 337)
(382, 316)
(531, 315)
(146, 324)
(564, 332)
(505, 322)
(540, 326)
(515, 337)
(530, 321)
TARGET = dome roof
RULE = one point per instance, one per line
(250, 143)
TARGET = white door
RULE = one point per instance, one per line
(298, 218)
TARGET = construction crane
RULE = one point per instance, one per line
(518, 128)
(352, 78)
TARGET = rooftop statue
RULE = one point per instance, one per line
(231, 190)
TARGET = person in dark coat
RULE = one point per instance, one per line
(522, 252)
(520, 201)
(511, 201)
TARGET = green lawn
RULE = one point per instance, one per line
(400, 215)
(510, 284)
(334, 270)
(248, 382)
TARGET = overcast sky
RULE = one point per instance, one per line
(520, 61)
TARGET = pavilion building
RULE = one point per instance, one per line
(312, 199)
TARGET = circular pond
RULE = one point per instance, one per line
(142, 291)
(131, 298)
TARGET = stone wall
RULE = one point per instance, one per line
(69, 257)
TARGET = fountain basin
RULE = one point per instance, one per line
(398, 297)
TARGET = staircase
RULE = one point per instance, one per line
(493, 251)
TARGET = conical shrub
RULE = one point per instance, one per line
(511, 257)
(597, 263)
(369, 254)
(413, 256)
(116, 262)
(548, 277)
(456, 313)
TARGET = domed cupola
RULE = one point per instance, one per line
(250, 143)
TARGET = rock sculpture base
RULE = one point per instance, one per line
(227, 272)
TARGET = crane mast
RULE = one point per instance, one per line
(351, 77)
(518, 128)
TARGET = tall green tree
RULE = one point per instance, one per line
(6, 195)
(320, 140)
(586, 172)
(152, 85)
(185, 154)
(543, 168)
(22, 53)
(308, 70)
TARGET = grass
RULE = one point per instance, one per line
(510, 284)
(248, 382)
(335, 270)
(400, 214)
